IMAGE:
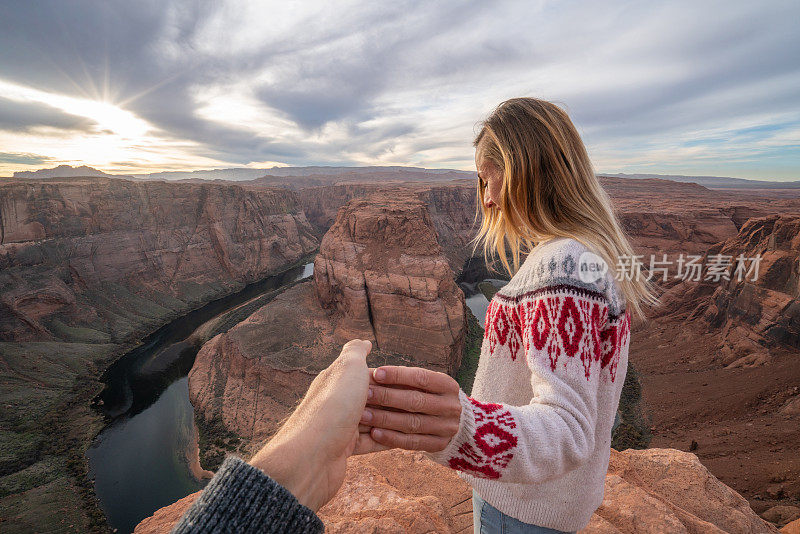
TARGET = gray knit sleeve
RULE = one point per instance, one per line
(242, 498)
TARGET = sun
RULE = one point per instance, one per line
(108, 116)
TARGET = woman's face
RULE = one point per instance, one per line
(492, 179)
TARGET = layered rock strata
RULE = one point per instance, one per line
(101, 260)
(756, 309)
(381, 269)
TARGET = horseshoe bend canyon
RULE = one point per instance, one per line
(124, 302)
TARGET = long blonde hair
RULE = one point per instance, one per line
(549, 190)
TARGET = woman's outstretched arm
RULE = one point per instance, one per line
(568, 342)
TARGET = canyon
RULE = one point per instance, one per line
(756, 309)
(705, 223)
(729, 392)
(91, 265)
(105, 260)
(379, 275)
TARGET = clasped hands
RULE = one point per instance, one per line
(409, 408)
(352, 409)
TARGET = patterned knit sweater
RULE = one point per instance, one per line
(534, 439)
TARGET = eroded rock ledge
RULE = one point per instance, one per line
(381, 269)
(651, 490)
(749, 317)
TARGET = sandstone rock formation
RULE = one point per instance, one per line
(88, 266)
(380, 267)
(749, 316)
(665, 490)
(661, 216)
(102, 260)
(250, 377)
(653, 490)
(379, 275)
(321, 203)
(782, 515)
(451, 206)
(792, 528)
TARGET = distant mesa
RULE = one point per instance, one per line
(62, 171)
(317, 175)
(321, 174)
(715, 182)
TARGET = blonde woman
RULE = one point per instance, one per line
(534, 438)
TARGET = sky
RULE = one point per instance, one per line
(694, 88)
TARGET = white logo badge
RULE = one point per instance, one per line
(591, 267)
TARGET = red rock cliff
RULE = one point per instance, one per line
(748, 316)
(451, 206)
(94, 259)
(654, 490)
(381, 268)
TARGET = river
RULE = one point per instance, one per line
(145, 457)
(140, 461)
(476, 301)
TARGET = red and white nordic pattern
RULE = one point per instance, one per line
(492, 445)
(558, 323)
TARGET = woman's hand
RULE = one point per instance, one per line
(428, 400)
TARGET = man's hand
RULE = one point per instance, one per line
(308, 455)
(429, 408)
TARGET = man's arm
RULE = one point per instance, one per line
(302, 466)
(242, 498)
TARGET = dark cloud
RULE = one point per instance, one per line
(23, 159)
(23, 117)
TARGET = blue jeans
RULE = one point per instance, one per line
(489, 520)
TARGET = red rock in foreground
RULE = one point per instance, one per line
(652, 490)
(792, 528)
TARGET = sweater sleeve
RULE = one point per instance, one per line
(242, 498)
(561, 330)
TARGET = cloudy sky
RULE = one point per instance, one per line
(698, 88)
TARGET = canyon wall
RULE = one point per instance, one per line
(380, 274)
(451, 206)
(384, 273)
(88, 266)
(755, 310)
(321, 204)
(98, 260)
(104, 260)
(660, 216)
